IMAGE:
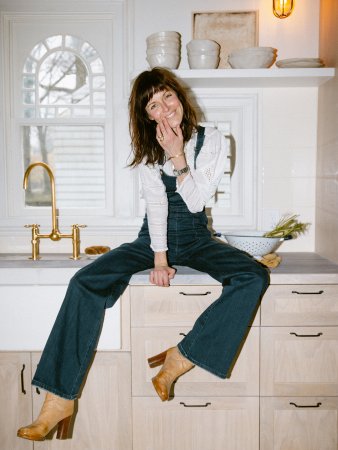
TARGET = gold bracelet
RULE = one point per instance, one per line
(175, 156)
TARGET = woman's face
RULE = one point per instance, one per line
(165, 105)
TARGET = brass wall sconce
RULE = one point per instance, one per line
(282, 8)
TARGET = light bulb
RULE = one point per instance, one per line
(282, 8)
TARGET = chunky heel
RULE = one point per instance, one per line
(63, 428)
(157, 360)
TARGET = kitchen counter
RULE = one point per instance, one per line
(309, 268)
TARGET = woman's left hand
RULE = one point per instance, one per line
(170, 139)
(161, 276)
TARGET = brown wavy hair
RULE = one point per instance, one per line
(145, 147)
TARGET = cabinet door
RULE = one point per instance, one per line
(220, 423)
(300, 305)
(15, 399)
(300, 423)
(103, 419)
(299, 361)
(244, 379)
(153, 306)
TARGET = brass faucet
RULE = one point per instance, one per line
(55, 234)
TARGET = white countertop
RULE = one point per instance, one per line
(309, 268)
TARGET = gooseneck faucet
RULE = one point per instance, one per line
(55, 234)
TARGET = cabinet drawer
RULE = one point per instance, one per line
(199, 423)
(300, 305)
(299, 361)
(172, 306)
(307, 423)
(146, 342)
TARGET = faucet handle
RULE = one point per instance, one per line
(33, 225)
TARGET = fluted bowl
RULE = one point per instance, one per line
(202, 45)
(203, 61)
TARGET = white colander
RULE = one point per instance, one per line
(252, 242)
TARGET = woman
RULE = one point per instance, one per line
(180, 165)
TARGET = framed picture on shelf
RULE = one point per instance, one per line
(231, 29)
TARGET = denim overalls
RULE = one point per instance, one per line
(215, 337)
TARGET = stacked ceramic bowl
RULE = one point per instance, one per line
(252, 58)
(164, 49)
(203, 54)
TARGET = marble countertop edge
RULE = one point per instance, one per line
(309, 268)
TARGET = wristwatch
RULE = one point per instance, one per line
(179, 172)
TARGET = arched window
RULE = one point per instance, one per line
(63, 112)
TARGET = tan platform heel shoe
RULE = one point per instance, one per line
(56, 411)
(174, 365)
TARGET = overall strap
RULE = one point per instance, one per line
(199, 142)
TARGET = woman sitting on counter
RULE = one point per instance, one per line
(181, 165)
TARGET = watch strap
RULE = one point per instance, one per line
(179, 172)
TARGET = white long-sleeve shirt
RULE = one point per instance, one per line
(196, 189)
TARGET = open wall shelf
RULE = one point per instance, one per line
(244, 78)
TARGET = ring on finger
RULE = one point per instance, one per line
(160, 138)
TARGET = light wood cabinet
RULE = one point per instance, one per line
(282, 393)
(153, 306)
(301, 305)
(206, 412)
(199, 423)
(299, 368)
(103, 419)
(15, 399)
(299, 423)
(299, 361)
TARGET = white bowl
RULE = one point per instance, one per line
(202, 45)
(203, 61)
(162, 51)
(164, 34)
(253, 242)
(164, 40)
(253, 61)
(202, 52)
(170, 61)
(250, 50)
(164, 44)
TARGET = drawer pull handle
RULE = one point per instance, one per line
(23, 390)
(205, 293)
(308, 293)
(195, 406)
(38, 391)
(307, 335)
(306, 406)
(182, 334)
